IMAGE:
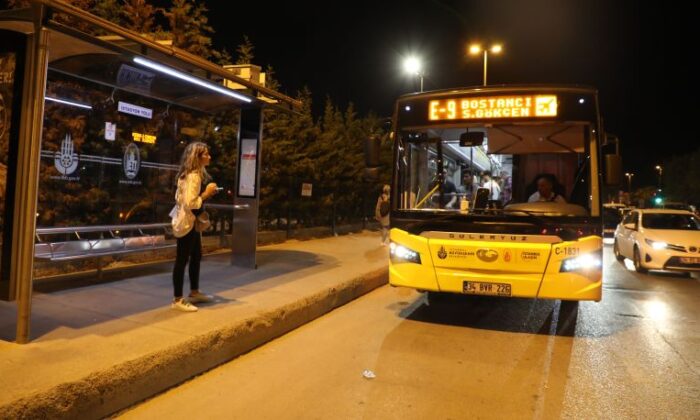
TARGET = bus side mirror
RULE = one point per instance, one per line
(613, 169)
(475, 138)
(372, 151)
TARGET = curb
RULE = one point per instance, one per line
(103, 393)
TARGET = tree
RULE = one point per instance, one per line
(680, 178)
(139, 16)
(109, 9)
(189, 28)
(245, 51)
(18, 4)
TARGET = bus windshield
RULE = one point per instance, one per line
(518, 166)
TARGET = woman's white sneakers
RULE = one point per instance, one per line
(200, 297)
(183, 305)
(186, 305)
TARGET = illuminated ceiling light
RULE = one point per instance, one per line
(194, 80)
(581, 100)
(408, 107)
(474, 49)
(496, 48)
(66, 102)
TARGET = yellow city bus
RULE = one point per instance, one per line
(497, 191)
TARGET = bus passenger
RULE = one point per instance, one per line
(468, 187)
(545, 191)
(449, 193)
(491, 185)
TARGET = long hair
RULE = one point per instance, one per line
(192, 161)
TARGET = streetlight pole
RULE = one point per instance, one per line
(486, 63)
(660, 170)
(476, 49)
(629, 181)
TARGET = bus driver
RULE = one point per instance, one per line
(545, 191)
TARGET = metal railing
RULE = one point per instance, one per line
(112, 241)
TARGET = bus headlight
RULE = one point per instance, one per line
(582, 262)
(656, 244)
(400, 253)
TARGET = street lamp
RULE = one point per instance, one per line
(660, 170)
(412, 65)
(629, 176)
(475, 49)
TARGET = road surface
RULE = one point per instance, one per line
(635, 354)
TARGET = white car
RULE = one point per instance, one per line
(658, 239)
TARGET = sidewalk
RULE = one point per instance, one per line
(98, 349)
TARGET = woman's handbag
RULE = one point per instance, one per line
(202, 223)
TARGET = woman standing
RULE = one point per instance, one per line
(381, 213)
(189, 199)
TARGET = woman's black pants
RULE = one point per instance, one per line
(189, 248)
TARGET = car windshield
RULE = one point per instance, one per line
(670, 221)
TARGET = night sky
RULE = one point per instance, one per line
(636, 55)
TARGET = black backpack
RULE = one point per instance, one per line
(384, 208)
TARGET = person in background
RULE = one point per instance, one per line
(448, 200)
(491, 185)
(506, 187)
(545, 191)
(189, 200)
(449, 192)
(468, 185)
(382, 211)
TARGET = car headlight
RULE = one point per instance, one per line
(401, 253)
(656, 244)
(582, 262)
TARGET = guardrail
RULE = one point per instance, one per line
(112, 241)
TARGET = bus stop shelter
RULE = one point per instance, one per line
(51, 37)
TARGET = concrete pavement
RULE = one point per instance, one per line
(98, 349)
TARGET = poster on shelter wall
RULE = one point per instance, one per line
(7, 81)
(248, 168)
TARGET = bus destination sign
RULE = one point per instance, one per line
(493, 107)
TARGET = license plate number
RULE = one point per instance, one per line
(490, 289)
(690, 260)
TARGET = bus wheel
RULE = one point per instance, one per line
(638, 262)
(616, 251)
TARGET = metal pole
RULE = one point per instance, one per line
(22, 263)
(421, 82)
(486, 60)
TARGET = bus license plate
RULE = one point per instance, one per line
(690, 260)
(481, 288)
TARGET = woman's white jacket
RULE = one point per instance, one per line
(187, 198)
